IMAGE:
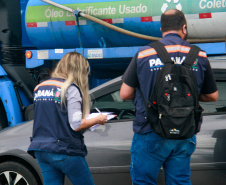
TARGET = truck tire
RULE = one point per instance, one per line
(16, 173)
(29, 113)
(3, 117)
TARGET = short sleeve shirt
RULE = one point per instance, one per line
(143, 69)
(208, 87)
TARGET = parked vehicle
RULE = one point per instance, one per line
(109, 145)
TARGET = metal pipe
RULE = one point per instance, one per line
(59, 5)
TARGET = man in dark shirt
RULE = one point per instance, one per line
(149, 151)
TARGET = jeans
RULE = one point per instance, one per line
(55, 166)
(149, 152)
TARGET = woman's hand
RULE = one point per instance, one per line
(101, 119)
(87, 123)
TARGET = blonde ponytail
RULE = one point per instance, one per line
(74, 68)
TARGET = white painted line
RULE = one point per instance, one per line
(82, 22)
(192, 16)
(156, 18)
(42, 24)
(117, 20)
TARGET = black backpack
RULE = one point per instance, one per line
(173, 107)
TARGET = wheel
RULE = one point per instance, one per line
(3, 117)
(14, 173)
(29, 113)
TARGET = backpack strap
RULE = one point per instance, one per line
(189, 62)
(191, 57)
(165, 58)
(161, 51)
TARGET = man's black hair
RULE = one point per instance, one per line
(174, 21)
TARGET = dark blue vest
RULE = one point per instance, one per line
(148, 66)
(51, 130)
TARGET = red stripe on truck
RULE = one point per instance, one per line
(146, 19)
(205, 15)
(31, 24)
(107, 20)
(70, 23)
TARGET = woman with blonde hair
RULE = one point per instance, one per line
(61, 105)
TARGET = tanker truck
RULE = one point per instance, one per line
(106, 32)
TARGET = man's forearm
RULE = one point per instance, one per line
(127, 92)
(208, 97)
